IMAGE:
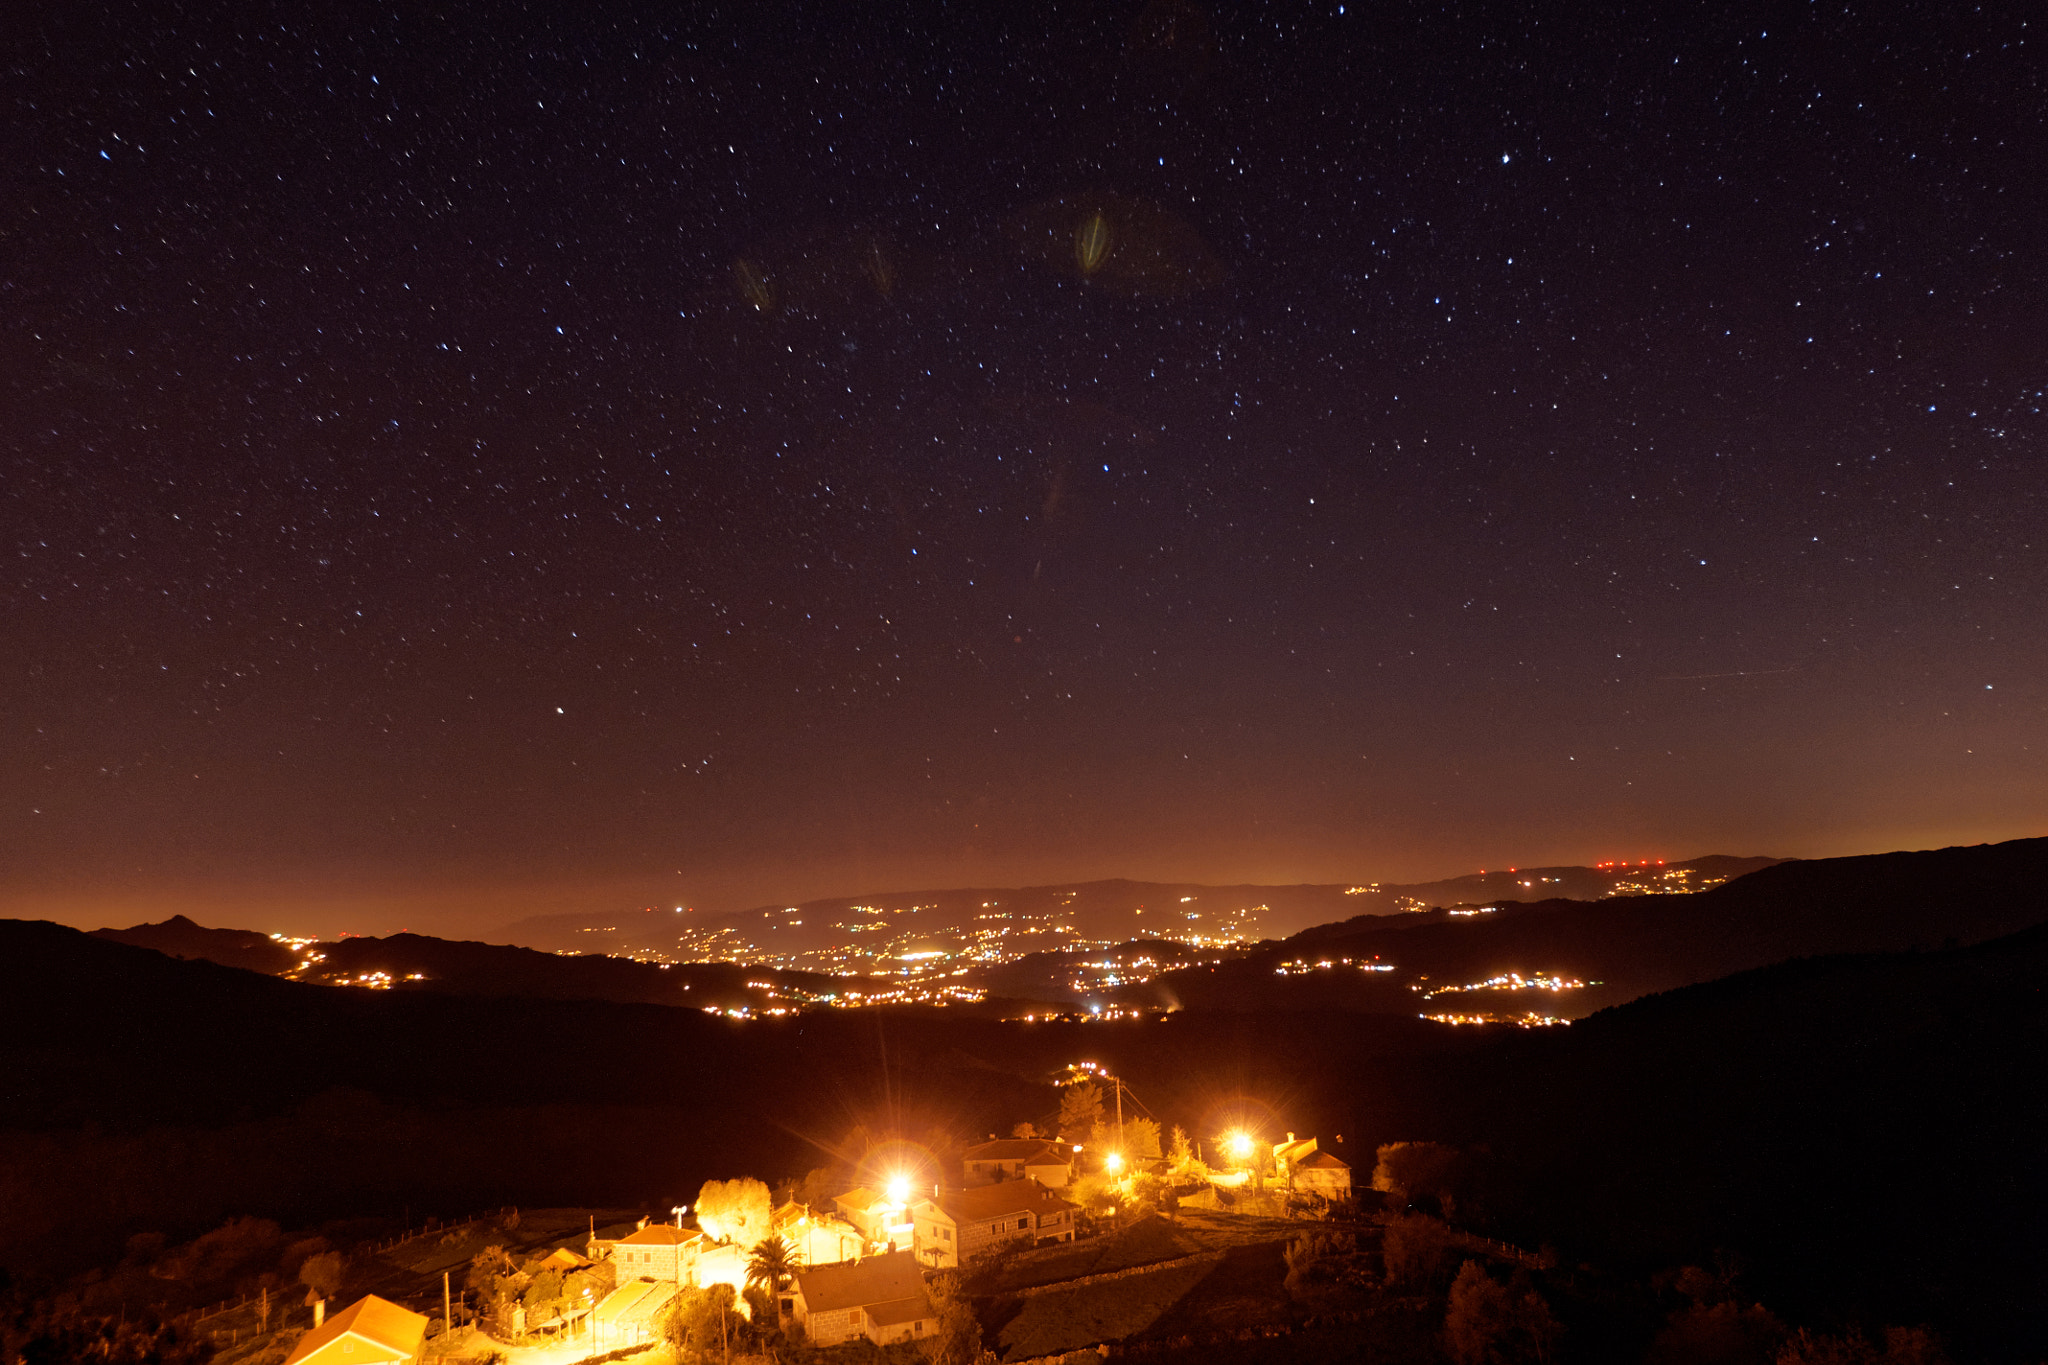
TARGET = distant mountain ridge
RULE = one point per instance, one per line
(181, 937)
(410, 962)
(1115, 910)
(1634, 946)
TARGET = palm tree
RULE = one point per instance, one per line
(770, 1265)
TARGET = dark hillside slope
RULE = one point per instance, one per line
(139, 1092)
(1864, 1132)
(1638, 945)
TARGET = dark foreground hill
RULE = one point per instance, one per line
(1641, 944)
(1861, 1133)
(140, 1092)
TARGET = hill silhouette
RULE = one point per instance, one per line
(1637, 945)
(1862, 1131)
(181, 937)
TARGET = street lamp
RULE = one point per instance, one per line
(1240, 1145)
(1113, 1163)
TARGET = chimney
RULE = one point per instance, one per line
(1290, 1137)
(319, 1313)
(643, 1225)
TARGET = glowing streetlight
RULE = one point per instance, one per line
(899, 1189)
(1113, 1163)
(1240, 1145)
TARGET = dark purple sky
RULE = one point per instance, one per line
(465, 463)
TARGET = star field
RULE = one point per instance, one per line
(468, 460)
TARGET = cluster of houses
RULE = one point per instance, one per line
(858, 1268)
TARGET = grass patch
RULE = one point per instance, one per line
(1068, 1319)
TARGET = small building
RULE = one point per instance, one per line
(816, 1238)
(879, 1219)
(657, 1251)
(370, 1331)
(960, 1223)
(561, 1260)
(881, 1298)
(1016, 1159)
(631, 1314)
(1323, 1174)
(1305, 1168)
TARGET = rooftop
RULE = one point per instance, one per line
(993, 1201)
(660, 1234)
(1016, 1149)
(891, 1280)
(379, 1322)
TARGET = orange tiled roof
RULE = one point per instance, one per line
(892, 1278)
(661, 1235)
(378, 1322)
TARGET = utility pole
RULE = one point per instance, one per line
(447, 1308)
(1120, 1117)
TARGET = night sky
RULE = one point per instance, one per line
(467, 462)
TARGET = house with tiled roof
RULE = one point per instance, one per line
(561, 1260)
(880, 1219)
(959, 1223)
(816, 1236)
(370, 1331)
(1324, 1174)
(1306, 1168)
(656, 1251)
(881, 1298)
(1016, 1159)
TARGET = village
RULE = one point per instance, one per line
(902, 1259)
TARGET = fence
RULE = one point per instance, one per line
(281, 1299)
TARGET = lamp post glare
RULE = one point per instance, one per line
(1240, 1145)
(1113, 1163)
(899, 1189)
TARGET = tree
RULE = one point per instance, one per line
(1180, 1153)
(703, 1324)
(1719, 1333)
(958, 1339)
(1488, 1323)
(486, 1271)
(321, 1275)
(1416, 1248)
(1024, 1130)
(815, 1188)
(543, 1297)
(769, 1265)
(216, 1255)
(735, 1210)
(1902, 1346)
(1408, 1171)
(1141, 1139)
(1080, 1111)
